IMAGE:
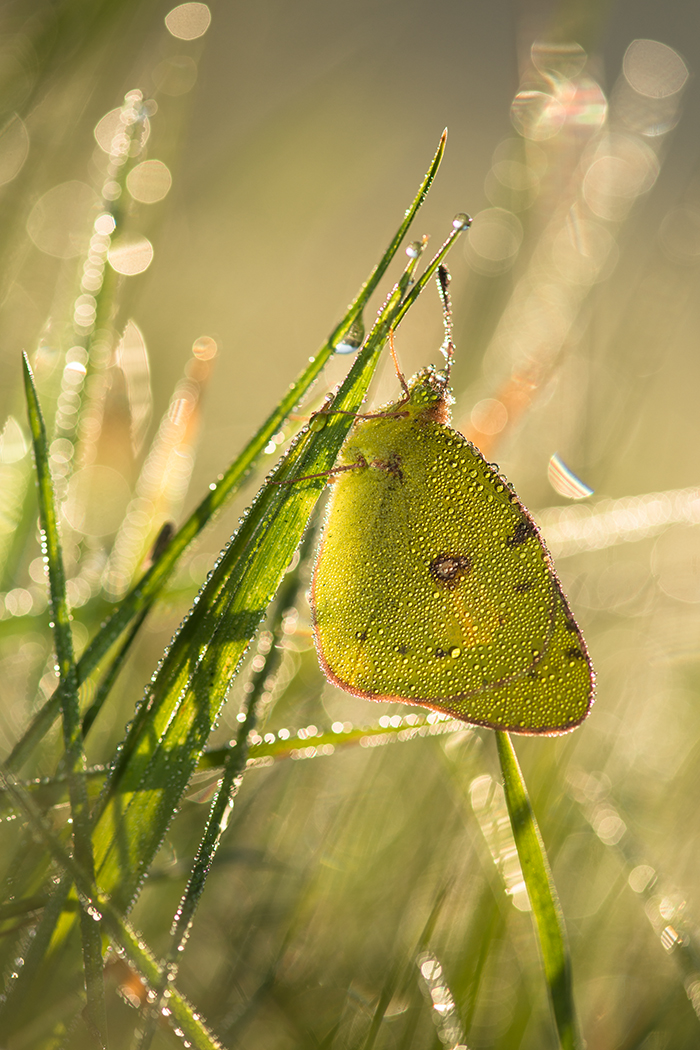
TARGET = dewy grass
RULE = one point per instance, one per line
(136, 806)
(68, 685)
(373, 882)
(543, 897)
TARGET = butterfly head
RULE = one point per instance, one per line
(429, 397)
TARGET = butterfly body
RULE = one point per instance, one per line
(432, 585)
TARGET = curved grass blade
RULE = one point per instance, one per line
(144, 592)
(544, 901)
(52, 791)
(68, 687)
(171, 727)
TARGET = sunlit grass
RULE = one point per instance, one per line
(363, 890)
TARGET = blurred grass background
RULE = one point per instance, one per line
(282, 143)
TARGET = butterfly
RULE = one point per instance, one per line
(432, 584)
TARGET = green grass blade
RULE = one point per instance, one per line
(111, 674)
(143, 594)
(460, 223)
(549, 919)
(68, 686)
(166, 737)
(18, 1003)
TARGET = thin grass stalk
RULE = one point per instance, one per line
(48, 792)
(494, 925)
(110, 676)
(401, 976)
(546, 909)
(68, 685)
(16, 1006)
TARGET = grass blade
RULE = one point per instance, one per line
(402, 975)
(48, 792)
(68, 687)
(544, 901)
(148, 587)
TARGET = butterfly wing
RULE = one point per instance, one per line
(432, 586)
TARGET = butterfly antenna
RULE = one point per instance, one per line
(448, 347)
(397, 366)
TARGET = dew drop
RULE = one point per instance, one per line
(461, 221)
(352, 340)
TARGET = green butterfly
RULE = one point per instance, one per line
(432, 584)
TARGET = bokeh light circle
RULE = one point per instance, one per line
(188, 21)
(149, 181)
(537, 115)
(654, 69)
(60, 223)
(489, 416)
(110, 130)
(130, 254)
(204, 348)
(96, 500)
(494, 240)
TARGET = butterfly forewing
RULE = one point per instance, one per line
(432, 586)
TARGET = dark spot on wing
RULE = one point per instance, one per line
(449, 569)
(520, 588)
(574, 653)
(392, 466)
(523, 531)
